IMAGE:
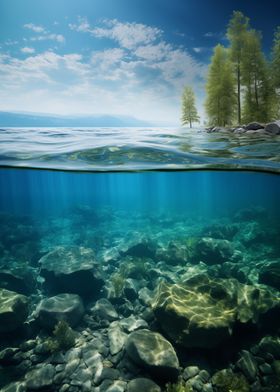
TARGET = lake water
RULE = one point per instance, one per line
(130, 233)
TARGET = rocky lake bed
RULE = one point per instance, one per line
(175, 303)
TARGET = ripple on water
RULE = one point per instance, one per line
(114, 149)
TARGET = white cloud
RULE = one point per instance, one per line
(140, 75)
(27, 50)
(35, 28)
(52, 37)
(45, 35)
(127, 35)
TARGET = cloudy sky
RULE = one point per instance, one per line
(125, 57)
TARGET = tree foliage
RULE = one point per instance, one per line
(221, 97)
(259, 96)
(237, 29)
(189, 111)
(241, 80)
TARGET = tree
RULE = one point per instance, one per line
(275, 64)
(220, 89)
(189, 111)
(275, 70)
(236, 31)
(259, 92)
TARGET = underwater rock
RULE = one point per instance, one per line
(67, 307)
(138, 247)
(142, 384)
(116, 337)
(14, 387)
(153, 352)
(71, 270)
(270, 274)
(202, 312)
(251, 233)
(174, 254)
(270, 345)
(248, 365)
(253, 213)
(17, 280)
(212, 251)
(226, 380)
(104, 310)
(220, 231)
(40, 378)
(13, 310)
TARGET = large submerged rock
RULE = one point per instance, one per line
(270, 274)
(203, 312)
(212, 250)
(67, 307)
(153, 352)
(71, 270)
(13, 310)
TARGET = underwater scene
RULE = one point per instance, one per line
(133, 274)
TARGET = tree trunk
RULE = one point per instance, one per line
(238, 94)
(256, 92)
(190, 123)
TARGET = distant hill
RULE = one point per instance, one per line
(10, 119)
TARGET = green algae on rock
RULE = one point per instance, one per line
(13, 310)
(225, 380)
(203, 311)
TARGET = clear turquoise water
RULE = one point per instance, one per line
(102, 189)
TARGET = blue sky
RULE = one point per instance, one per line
(126, 57)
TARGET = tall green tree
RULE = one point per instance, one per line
(275, 71)
(189, 111)
(259, 92)
(220, 89)
(237, 29)
(275, 63)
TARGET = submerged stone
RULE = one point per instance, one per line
(67, 307)
(40, 378)
(71, 270)
(270, 274)
(142, 384)
(20, 281)
(213, 251)
(153, 352)
(202, 312)
(13, 310)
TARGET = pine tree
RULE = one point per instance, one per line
(236, 31)
(275, 71)
(259, 92)
(220, 88)
(189, 111)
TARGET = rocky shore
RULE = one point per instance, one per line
(272, 128)
(182, 305)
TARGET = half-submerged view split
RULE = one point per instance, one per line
(139, 254)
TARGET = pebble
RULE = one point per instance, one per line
(189, 372)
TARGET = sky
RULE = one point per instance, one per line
(117, 57)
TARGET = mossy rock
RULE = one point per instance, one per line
(225, 380)
(202, 312)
